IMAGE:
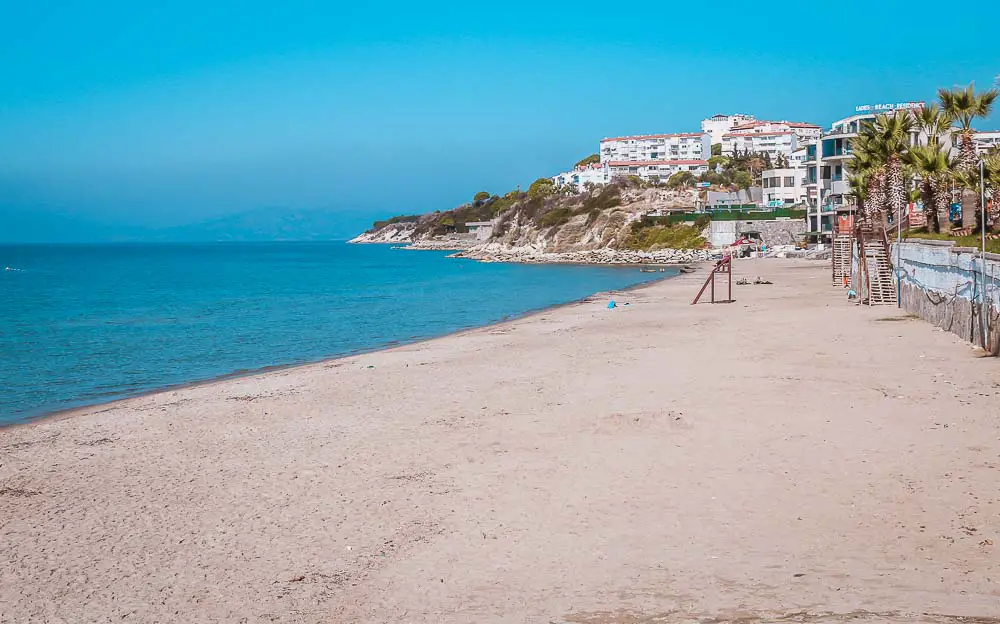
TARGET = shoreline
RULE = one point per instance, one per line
(99, 405)
(656, 462)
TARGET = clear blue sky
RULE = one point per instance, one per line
(169, 112)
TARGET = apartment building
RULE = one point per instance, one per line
(772, 143)
(596, 173)
(783, 187)
(805, 132)
(650, 147)
(656, 170)
(987, 140)
(718, 125)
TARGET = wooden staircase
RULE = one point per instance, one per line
(878, 281)
(843, 247)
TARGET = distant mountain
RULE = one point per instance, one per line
(259, 225)
(266, 224)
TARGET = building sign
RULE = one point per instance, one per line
(884, 108)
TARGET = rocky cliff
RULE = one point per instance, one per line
(604, 224)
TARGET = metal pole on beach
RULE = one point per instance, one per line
(899, 251)
(982, 254)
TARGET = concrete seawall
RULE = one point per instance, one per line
(943, 284)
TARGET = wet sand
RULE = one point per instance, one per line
(789, 455)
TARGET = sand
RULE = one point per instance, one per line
(788, 457)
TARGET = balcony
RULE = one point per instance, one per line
(846, 130)
(843, 152)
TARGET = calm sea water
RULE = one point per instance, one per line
(87, 324)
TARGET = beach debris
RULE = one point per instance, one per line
(986, 542)
(370, 366)
(852, 294)
(761, 280)
(612, 305)
(298, 579)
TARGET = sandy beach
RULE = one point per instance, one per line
(787, 457)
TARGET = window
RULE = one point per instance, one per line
(790, 181)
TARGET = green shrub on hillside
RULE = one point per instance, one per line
(654, 237)
(609, 197)
(554, 217)
(541, 187)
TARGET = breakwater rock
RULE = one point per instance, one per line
(494, 253)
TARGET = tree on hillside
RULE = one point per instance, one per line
(716, 149)
(681, 179)
(589, 160)
(743, 179)
(480, 197)
(715, 162)
(541, 187)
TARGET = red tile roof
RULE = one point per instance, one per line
(652, 136)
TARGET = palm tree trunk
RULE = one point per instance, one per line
(930, 205)
(995, 208)
(967, 156)
(875, 206)
(942, 203)
(895, 188)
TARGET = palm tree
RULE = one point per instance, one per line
(859, 191)
(964, 105)
(992, 170)
(879, 149)
(932, 164)
(932, 122)
(894, 140)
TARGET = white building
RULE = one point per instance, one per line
(772, 143)
(656, 170)
(482, 229)
(650, 147)
(986, 140)
(783, 187)
(718, 125)
(596, 173)
(803, 131)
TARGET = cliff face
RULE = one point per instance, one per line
(557, 223)
(392, 233)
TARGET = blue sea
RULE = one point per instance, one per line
(84, 324)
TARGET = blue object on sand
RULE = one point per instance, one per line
(611, 304)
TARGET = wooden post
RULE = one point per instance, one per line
(722, 266)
